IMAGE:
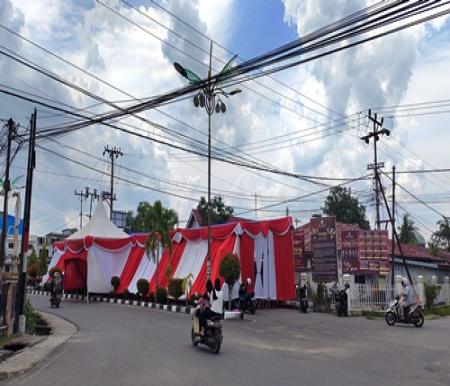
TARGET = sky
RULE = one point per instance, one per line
(131, 55)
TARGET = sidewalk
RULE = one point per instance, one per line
(32, 356)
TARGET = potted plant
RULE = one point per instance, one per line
(230, 270)
(142, 287)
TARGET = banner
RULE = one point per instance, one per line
(299, 250)
(323, 242)
(350, 258)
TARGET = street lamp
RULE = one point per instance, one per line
(210, 97)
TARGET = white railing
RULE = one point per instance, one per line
(370, 296)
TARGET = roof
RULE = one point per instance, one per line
(99, 226)
(196, 220)
(418, 252)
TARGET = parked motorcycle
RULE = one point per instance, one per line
(341, 302)
(212, 337)
(244, 304)
(413, 314)
(303, 298)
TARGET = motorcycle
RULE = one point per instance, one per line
(212, 337)
(55, 299)
(413, 314)
(56, 293)
(303, 299)
(244, 304)
(341, 303)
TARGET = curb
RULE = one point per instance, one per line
(133, 303)
(32, 356)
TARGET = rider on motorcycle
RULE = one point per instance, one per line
(56, 285)
(406, 298)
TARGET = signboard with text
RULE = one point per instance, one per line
(373, 252)
(323, 242)
(349, 252)
(299, 250)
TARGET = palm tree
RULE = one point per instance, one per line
(408, 231)
(160, 221)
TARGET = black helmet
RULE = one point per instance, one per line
(347, 285)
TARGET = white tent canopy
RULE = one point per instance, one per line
(99, 226)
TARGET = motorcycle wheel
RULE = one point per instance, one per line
(216, 347)
(391, 318)
(194, 341)
(419, 323)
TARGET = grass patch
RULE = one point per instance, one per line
(5, 340)
(441, 311)
(372, 315)
(30, 317)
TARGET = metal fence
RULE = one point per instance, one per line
(370, 296)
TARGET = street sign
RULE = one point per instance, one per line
(372, 166)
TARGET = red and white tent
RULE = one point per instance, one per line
(93, 255)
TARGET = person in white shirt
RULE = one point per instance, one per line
(217, 298)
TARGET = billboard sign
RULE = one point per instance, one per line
(323, 242)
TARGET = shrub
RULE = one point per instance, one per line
(230, 270)
(115, 282)
(431, 293)
(142, 287)
(53, 270)
(176, 288)
(151, 297)
(161, 295)
(30, 316)
(32, 270)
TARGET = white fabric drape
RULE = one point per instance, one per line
(145, 270)
(57, 253)
(191, 261)
(271, 274)
(103, 265)
(260, 248)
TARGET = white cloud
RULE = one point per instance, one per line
(388, 71)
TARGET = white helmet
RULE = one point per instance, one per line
(404, 282)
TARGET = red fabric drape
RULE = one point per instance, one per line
(112, 243)
(167, 259)
(132, 264)
(219, 248)
(284, 266)
(246, 255)
(75, 274)
(226, 246)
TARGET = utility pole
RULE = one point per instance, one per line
(20, 300)
(375, 166)
(287, 211)
(94, 196)
(256, 207)
(393, 229)
(82, 195)
(113, 153)
(11, 127)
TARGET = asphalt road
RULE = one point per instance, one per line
(119, 345)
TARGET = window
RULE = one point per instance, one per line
(360, 279)
(10, 245)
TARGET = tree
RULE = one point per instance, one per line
(140, 221)
(408, 231)
(345, 208)
(159, 221)
(43, 261)
(230, 270)
(441, 238)
(220, 212)
(32, 259)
